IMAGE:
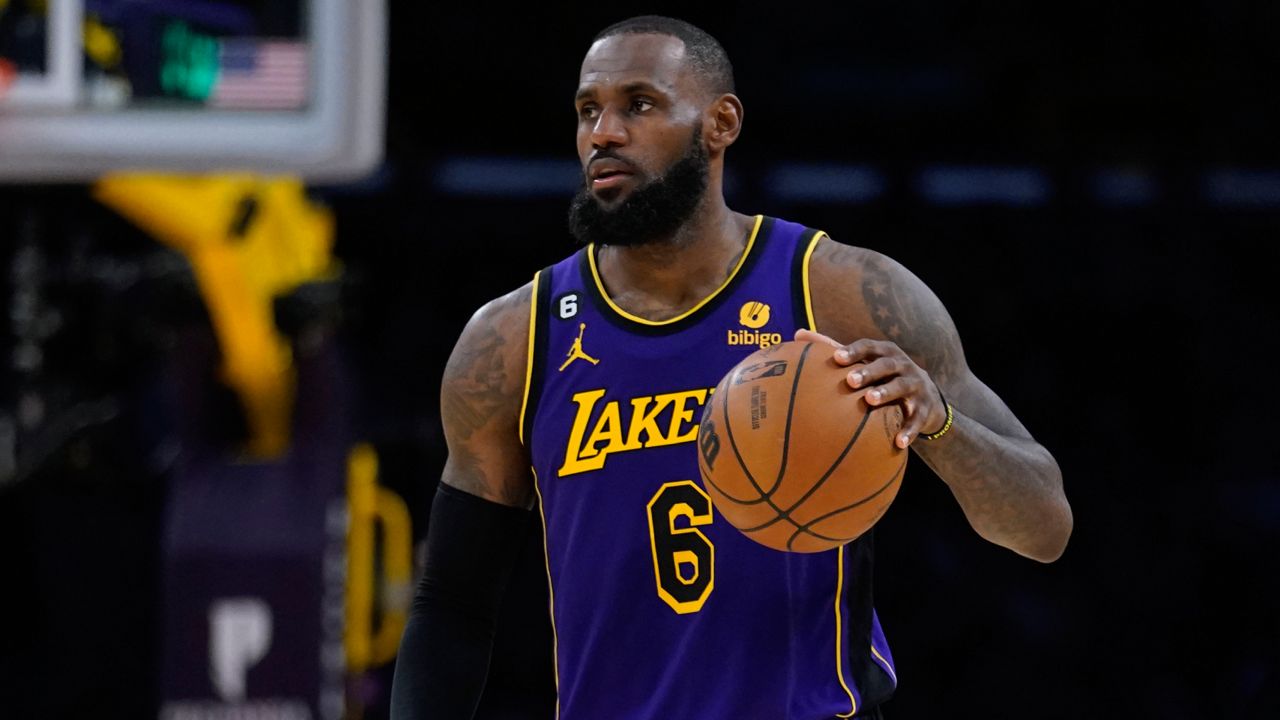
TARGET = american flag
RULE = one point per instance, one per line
(261, 75)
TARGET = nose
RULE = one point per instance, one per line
(610, 130)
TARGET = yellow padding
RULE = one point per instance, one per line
(248, 239)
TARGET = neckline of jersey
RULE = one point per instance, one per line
(733, 275)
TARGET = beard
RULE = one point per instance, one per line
(654, 210)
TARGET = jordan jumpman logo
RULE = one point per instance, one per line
(576, 352)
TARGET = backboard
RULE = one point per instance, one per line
(273, 86)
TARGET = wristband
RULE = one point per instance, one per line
(946, 427)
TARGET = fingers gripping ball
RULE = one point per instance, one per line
(794, 457)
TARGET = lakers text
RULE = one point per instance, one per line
(647, 421)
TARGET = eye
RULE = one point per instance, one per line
(640, 105)
(588, 112)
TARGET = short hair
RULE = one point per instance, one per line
(703, 53)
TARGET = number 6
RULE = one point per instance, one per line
(568, 306)
(676, 549)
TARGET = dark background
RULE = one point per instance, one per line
(1133, 333)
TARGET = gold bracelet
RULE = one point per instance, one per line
(946, 427)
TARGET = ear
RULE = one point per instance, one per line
(723, 122)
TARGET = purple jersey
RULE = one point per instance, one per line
(661, 609)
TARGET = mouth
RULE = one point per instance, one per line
(609, 180)
(609, 173)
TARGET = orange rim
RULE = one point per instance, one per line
(7, 73)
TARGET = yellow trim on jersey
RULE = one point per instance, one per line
(551, 592)
(808, 296)
(595, 273)
(840, 554)
(808, 310)
(528, 361)
(888, 666)
(840, 634)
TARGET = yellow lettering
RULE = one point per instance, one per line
(646, 422)
(608, 430)
(681, 415)
(589, 451)
(573, 461)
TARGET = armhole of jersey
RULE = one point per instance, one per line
(534, 359)
(802, 298)
(802, 306)
(539, 326)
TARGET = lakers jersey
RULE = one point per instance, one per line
(661, 609)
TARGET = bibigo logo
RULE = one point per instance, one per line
(754, 315)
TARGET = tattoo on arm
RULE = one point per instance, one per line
(1006, 506)
(472, 393)
(865, 294)
(480, 402)
(923, 332)
(1008, 485)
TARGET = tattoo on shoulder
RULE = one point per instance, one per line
(907, 313)
(478, 382)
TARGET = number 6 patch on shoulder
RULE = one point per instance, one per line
(567, 305)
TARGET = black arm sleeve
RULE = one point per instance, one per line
(472, 546)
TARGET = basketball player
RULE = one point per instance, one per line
(579, 395)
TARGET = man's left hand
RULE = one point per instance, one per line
(892, 376)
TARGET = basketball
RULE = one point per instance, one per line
(794, 457)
